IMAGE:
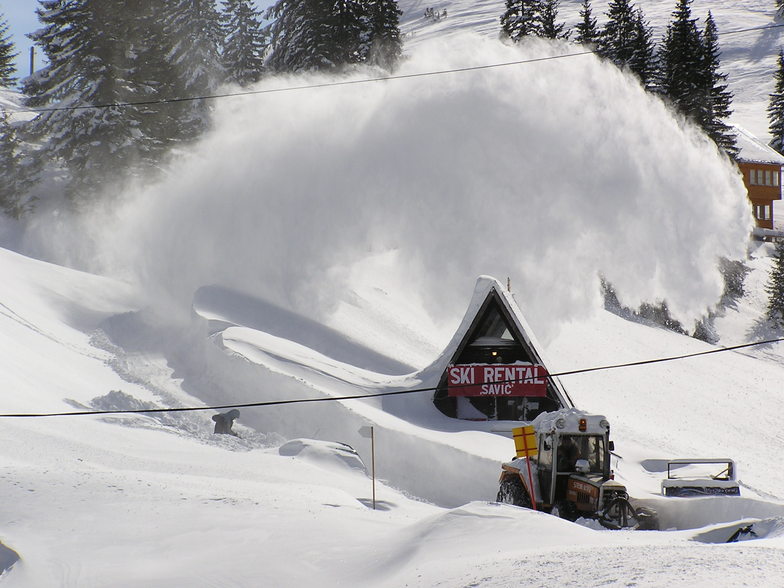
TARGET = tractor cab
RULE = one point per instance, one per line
(573, 461)
(570, 457)
(571, 474)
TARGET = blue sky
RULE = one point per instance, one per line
(21, 18)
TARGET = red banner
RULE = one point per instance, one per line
(497, 380)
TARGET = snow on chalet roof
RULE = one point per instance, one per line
(752, 150)
(482, 289)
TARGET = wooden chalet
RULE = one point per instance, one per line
(761, 168)
(493, 368)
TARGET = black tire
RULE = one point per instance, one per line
(513, 492)
(565, 510)
(619, 514)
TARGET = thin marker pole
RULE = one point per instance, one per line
(373, 461)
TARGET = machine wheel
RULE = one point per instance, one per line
(512, 491)
(565, 511)
(619, 514)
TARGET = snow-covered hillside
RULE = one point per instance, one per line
(748, 57)
(322, 244)
(122, 500)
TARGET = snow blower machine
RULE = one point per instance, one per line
(568, 473)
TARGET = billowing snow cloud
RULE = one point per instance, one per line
(548, 173)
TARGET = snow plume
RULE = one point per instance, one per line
(547, 172)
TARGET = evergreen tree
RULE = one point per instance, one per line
(7, 56)
(89, 65)
(14, 182)
(548, 15)
(627, 41)
(152, 77)
(775, 287)
(193, 33)
(327, 35)
(643, 59)
(718, 97)
(682, 63)
(587, 31)
(300, 36)
(385, 45)
(521, 18)
(617, 38)
(776, 107)
(244, 41)
(350, 38)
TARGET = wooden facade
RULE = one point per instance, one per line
(763, 183)
(761, 168)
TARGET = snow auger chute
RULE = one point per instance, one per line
(571, 474)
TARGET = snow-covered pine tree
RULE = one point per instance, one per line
(384, 43)
(617, 37)
(521, 19)
(548, 16)
(244, 41)
(193, 32)
(775, 287)
(9, 159)
(643, 60)
(322, 35)
(299, 35)
(350, 37)
(151, 76)
(682, 72)
(87, 74)
(718, 97)
(14, 183)
(7, 55)
(776, 107)
(586, 30)
(627, 40)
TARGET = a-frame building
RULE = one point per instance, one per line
(493, 368)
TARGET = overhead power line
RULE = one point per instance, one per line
(165, 101)
(304, 86)
(146, 411)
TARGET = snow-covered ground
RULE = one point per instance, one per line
(326, 245)
(124, 500)
(748, 57)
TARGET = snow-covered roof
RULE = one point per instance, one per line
(483, 288)
(752, 150)
(568, 419)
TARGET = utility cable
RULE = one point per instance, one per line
(374, 394)
(165, 101)
(302, 87)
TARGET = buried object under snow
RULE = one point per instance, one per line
(700, 477)
(570, 473)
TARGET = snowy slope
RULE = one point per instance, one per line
(328, 248)
(748, 58)
(125, 500)
(11, 102)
